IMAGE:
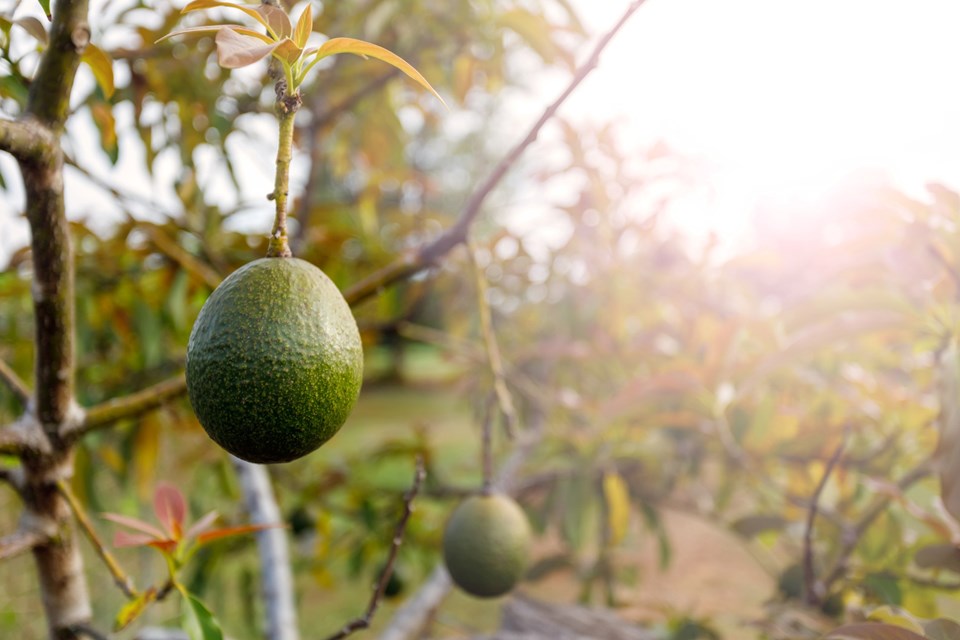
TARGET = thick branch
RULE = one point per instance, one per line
(10, 378)
(130, 406)
(364, 621)
(25, 436)
(26, 140)
(276, 576)
(414, 262)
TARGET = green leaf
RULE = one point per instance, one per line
(618, 506)
(45, 5)
(872, 631)
(103, 117)
(368, 50)
(102, 67)
(938, 556)
(198, 622)
(132, 610)
(752, 526)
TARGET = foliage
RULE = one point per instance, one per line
(659, 375)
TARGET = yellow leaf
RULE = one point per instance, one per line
(367, 49)
(618, 506)
(199, 5)
(146, 451)
(102, 67)
(304, 27)
(132, 610)
(215, 28)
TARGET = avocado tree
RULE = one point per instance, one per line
(42, 442)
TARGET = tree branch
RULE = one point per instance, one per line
(10, 378)
(129, 406)
(813, 592)
(187, 261)
(364, 621)
(276, 576)
(24, 436)
(424, 257)
(22, 541)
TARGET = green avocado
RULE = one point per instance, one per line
(274, 361)
(486, 545)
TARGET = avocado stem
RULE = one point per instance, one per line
(287, 107)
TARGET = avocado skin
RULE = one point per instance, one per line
(274, 361)
(486, 545)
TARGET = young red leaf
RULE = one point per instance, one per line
(304, 27)
(216, 534)
(126, 539)
(165, 546)
(136, 524)
(277, 20)
(287, 51)
(235, 50)
(171, 509)
(367, 49)
(201, 525)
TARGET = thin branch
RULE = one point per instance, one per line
(187, 261)
(10, 378)
(129, 406)
(812, 590)
(486, 448)
(420, 259)
(852, 536)
(22, 541)
(364, 621)
(121, 579)
(494, 359)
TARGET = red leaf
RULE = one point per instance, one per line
(127, 539)
(216, 534)
(277, 20)
(134, 523)
(171, 509)
(201, 525)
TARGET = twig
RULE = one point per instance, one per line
(21, 541)
(494, 360)
(486, 448)
(182, 257)
(852, 536)
(10, 378)
(89, 631)
(129, 406)
(121, 579)
(364, 621)
(812, 591)
(414, 262)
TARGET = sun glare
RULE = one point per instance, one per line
(785, 100)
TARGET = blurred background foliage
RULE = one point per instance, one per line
(688, 399)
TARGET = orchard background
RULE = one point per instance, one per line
(747, 438)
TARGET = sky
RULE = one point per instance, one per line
(780, 100)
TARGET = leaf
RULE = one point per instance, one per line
(34, 27)
(217, 27)
(942, 629)
(277, 20)
(938, 556)
(235, 50)
(198, 622)
(367, 49)
(216, 534)
(45, 5)
(126, 539)
(872, 631)
(618, 506)
(132, 610)
(199, 5)
(288, 51)
(535, 31)
(107, 126)
(171, 509)
(136, 524)
(304, 27)
(948, 448)
(102, 67)
(752, 526)
(201, 525)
